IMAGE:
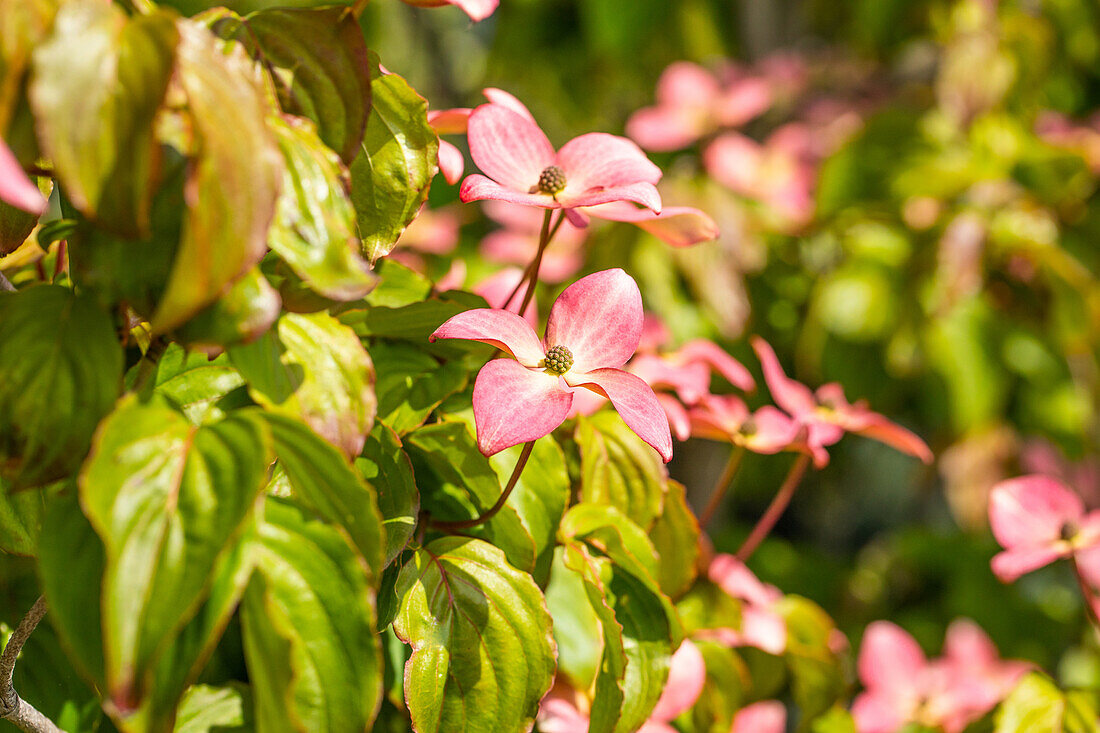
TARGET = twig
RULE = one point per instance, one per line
(722, 485)
(775, 509)
(467, 523)
(12, 707)
(544, 239)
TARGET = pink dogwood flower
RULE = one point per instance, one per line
(15, 187)
(692, 102)
(1038, 520)
(455, 121)
(901, 686)
(593, 329)
(522, 167)
(477, 9)
(827, 414)
(761, 625)
(766, 716)
(727, 418)
(678, 226)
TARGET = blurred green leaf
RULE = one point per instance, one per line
(207, 709)
(577, 630)
(195, 383)
(233, 178)
(315, 369)
(483, 654)
(25, 24)
(724, 690)
(94, 107)
(308, 621)
(242, 314)
(21, 515)
(60, 372)
(675, 536)
(395, 165)
(385, 466)
(1035, 706)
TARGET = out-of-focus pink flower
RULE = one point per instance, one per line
(522, 167)
(901, 686)
(476, 9)
(777, 173)
(727, 418)
(1059, 130)
(679, 226)
(761, 626)
(827, 414)
(1039, 520)
(767, 716)
(593, 328)
(564, 710)
(1042, 456)
(453, 278)
(15, 187)
(692, 103)
(433, 231)
(497, 287)
(518, 241)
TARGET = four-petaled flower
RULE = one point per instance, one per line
(594, 327)
(827, 414)
(1039, 520)
(523, 168)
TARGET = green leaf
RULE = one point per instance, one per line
(675, 536)
(60, 373)
(817, 675)
(243, 313)
(25, 24)
(395, 165)
(1035, 706)
(457, 482)
(637, 649)
(319, 63)
(577, 630)
(609, 531)
(195, 383)
(98, 82)
(483, 654)
(313, 657)
(413, 322)
(168, 500)
(314, 227)
(620, 469)
(385, 466)
(21, 515)
(411, 384)
(233, 180)
(15, 226)
(398, 286)
(321, 476)
(836, 720)
(315, 369)
(206, 709)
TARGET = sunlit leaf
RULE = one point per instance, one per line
(395, 165)
(313, 657)
(315, 369)
(195, 383)
(410, 384)
(25, 24)
(675, 536)
(242, 314)
(483, 654)
(95, 105)
(386, 467)
(619, 469)
(206, 709)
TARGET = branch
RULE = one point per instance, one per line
(12, 707)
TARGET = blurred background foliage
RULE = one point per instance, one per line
(946, 269)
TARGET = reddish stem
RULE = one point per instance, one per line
(722, 485)
(775, 509)
(491, 512)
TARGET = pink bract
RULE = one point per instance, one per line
(15, 187)
(901, 686)
(767, 716)
(827, 414)
(476, 9)
(597, 321)
(679, 226)
(761, 626)
(1038, 520)
(522, 167)
(727, 418)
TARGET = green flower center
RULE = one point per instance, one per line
(559, 359)
(551, 181)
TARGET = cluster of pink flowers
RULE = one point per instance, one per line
(902, 686)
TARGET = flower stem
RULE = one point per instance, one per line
(531, 274)
(492, 511)
(12, 707)
(1088, 594)
(358, 7)
(723, 484)
(775, 509)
